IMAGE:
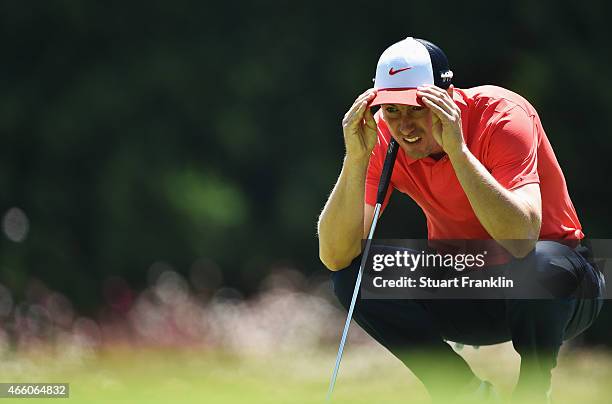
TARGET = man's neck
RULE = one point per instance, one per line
(437, 156)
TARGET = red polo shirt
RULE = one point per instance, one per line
(505, 134)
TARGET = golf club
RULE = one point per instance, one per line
(385, 178)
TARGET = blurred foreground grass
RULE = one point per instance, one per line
(173, 343)
(368, 375)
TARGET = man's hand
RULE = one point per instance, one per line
(341, 224)
(359, 127)
(446, 118)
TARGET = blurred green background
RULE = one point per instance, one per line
(204, 137)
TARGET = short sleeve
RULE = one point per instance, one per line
(512, 155)
(375, 167)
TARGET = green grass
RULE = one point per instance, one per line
(368, 375)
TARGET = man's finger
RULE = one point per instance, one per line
(447, 105)
(369, 119)
(351, 113)
(440, 112)
(355, 115)
(366, 96)
(439, 94)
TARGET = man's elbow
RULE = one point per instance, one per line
(334, 262)
(520, 248)
(524, 241)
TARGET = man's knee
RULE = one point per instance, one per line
(552, 270)
(559, 267)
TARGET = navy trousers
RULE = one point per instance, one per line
(415, 330)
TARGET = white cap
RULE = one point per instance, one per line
(403, 67)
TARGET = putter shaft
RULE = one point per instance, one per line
(383, 185)
(364, 258)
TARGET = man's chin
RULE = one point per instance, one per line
(415, 154)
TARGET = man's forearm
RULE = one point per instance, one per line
(507, 218)
(340, 225)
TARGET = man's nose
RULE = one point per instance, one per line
(406, 125)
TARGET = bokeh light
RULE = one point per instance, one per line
(15, 225)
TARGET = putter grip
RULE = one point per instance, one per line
(385, 177)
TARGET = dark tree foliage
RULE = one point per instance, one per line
(134, 133)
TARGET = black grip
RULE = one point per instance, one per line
(385, 177)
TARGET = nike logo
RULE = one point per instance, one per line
(392, 72)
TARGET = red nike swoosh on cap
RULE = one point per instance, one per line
(392, 72)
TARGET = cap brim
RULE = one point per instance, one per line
(405, 96)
